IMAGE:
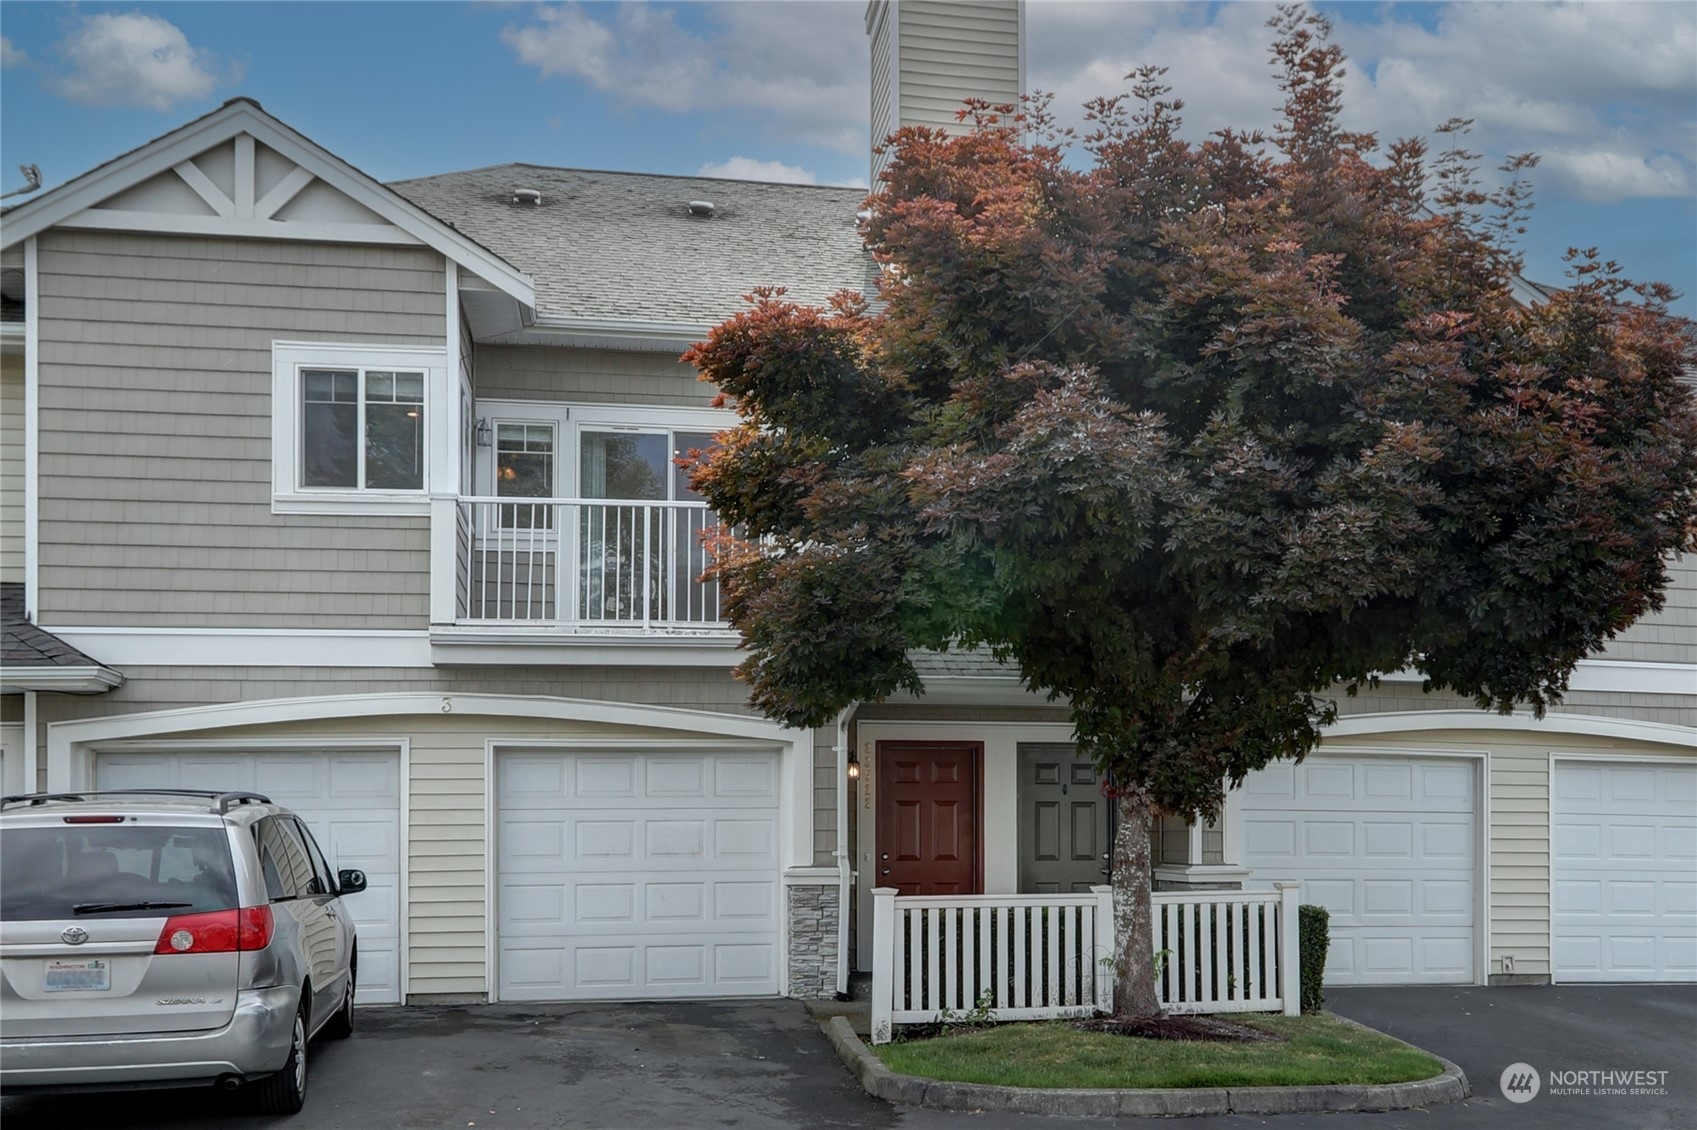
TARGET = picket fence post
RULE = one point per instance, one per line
(883, 967)
(1102, 952)
(1290, 949)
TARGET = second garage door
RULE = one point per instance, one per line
(1388, 845)
(637, 875)
(1624, 869)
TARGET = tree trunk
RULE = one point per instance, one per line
(1134, 987)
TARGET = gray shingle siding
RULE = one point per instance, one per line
(155, 366)
(595, 376)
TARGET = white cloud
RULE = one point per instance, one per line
(747, 168)
(1603, 91)
(1601, 176)
(10, 56)
(796, 69)
(134, 59)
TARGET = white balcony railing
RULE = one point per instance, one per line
(584, 564)
(1040, 957)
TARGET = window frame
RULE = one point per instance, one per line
(289, 360)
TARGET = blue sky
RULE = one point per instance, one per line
(1606, 92)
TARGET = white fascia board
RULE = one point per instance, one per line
(1418, 721)
(1610, 675)
(240, 116)
(62, 680)
(662, 334)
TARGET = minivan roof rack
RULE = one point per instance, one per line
(222, 800)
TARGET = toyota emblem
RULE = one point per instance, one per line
(75, 936)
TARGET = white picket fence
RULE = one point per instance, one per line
(1227, 951)
(1043, 957)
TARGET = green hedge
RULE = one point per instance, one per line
(1314, 937)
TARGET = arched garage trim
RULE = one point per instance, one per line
(1589, 724)
(71, 745)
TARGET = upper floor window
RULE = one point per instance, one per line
(362, 428)
(352, 427)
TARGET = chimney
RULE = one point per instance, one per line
(930, 55)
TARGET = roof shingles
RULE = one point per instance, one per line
(625, 247)
(23, 645)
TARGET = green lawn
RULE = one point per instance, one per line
(1317, 1049)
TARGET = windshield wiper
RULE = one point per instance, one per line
(104, 907)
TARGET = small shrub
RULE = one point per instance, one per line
(1314, 938)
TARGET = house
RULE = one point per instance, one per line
(360, 495)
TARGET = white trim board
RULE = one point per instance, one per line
(1414, 721)
(1624, 676)
(70, 743)
(126, 648)
(32, 430)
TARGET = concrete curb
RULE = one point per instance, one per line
(880, 1082)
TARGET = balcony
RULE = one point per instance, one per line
(596, 576)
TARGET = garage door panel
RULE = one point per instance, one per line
(1624, 862)
(637, 875)
(350, 801)
(1388, 846)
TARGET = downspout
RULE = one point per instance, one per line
(845, 879)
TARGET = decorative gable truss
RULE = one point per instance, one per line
(242, 187)
(240, 172)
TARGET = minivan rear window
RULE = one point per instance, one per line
(111, 871)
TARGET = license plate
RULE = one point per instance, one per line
(67, 976)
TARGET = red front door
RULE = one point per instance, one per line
(928, 817)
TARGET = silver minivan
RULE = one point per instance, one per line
(157, 938)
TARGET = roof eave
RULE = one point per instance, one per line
(95, 679)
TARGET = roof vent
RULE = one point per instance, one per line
(531, 196)
(701, 207)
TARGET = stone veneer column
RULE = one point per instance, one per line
(814, 913)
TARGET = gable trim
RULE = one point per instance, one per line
(69, 204)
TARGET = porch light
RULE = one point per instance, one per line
(485, 437)
(853, 767)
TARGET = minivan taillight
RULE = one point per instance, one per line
(217, 931)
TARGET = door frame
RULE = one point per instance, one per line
(996, 783)
(977, 762)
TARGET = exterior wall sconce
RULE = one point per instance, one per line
(853, 767)
(485, 436)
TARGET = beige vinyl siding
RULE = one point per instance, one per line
(593, 376)
(1519, 815)
(1668, 636)
(447, 845)
(155, 368)
(949, 52)
(883, 119)
(12, 467)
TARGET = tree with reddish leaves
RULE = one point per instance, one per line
(1196, 436)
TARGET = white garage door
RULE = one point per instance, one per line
(1624, 869)
(350, 800)
(637, 875)
(1387, 844)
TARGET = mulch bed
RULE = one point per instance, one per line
(1180, 1028)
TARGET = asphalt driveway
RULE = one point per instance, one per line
(764, 1064)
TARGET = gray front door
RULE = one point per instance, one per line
(1064, 837)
